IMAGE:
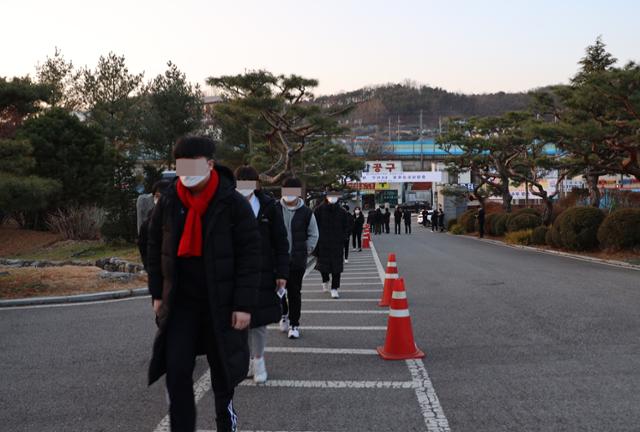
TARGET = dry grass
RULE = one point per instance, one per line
(53, 281)
(15, 241)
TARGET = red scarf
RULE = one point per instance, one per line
(191, 240)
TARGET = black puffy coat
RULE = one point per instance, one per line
(275, 261)
(358, 223)
(334, 230)
(231, 255)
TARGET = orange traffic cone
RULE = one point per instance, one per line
(389, 278)
(399, 343)
(366, 238)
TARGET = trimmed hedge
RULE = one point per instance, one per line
(548, 237)
(500, 224)
(523, 221)
(620, 230)
(457, 229)
(578, 228)
(451, 223)
(468, 220)
(539, 236)
(522, 237)
(489, 221)
(527, 210)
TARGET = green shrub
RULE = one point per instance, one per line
(527, 210)
(451, 223)
(522, 237)
(468, 220)
(539, 236)
(620, 230)
(489, 222)
(578, 228)
(523, 221)
(457, 229)
(500, 224)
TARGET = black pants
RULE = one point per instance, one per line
(190, 322)
(335, 279)
(356, 238)
(292, 302)
(481, 226)
(387, 228)
(407, 228)
(398, 228)
(434, 226)
(346, 249)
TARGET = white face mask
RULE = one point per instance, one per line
(332, 200)
(155, 201)
(357, 211)
(246, 192)
(191, 181)
(290, 199)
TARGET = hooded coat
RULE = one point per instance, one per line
(334, 229)
(231, 254)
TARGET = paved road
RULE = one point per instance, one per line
(515, 341)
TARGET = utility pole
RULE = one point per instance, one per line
(421, 147)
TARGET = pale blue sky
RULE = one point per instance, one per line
(469, 46)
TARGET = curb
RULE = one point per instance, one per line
(613, 263)
(80, 298)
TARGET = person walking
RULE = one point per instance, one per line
(204, 271)
(397, 219)
(481, 221)
(441, 219)
(387, 220)
(371, 220)
(274, 267)
(425, 214)
(333, 228)
(302, 236)
(406, 215)
(143, 236)
(350, 224)
(356, 233)
(434, 220)
(379, 218)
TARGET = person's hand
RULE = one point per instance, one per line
(157, 304)
(280, 283)
(240, 320)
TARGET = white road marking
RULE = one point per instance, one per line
(200, 388)
(310, 291)
(335, 384)
(348, 312)
(336, 328)
(75, 304)
(309, 350)
(346, 278)
(341, 300)
(430, 407)
(432, 412)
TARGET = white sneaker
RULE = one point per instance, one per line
(294, 333)
(325, 286)
(284, 324)
(259, 371)
(346, 261)
(250, 371)
(334, 294)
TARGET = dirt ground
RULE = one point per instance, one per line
(15, 241)
(54, 281)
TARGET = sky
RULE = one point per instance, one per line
(464, 46)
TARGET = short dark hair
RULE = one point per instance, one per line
(160, 186)
(292, 182)
(191, 147)
(246, 172)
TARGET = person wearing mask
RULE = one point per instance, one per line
(425, 214)
(441, 219)
(358, 225)
(350, 223)
(302, 236)
(387, 220)
(379, 220)
(334, 229)
(406, 215)
(434, 220)
(204, 272)
(371, 220)
(397, 219)
(274, 267)
(143, 236)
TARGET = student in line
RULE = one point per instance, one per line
(397, 219)
(204, 271)
(334, 229)
(302, 236)
(350, 223)
(274, 267)
(356, 234)
(406, 216)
